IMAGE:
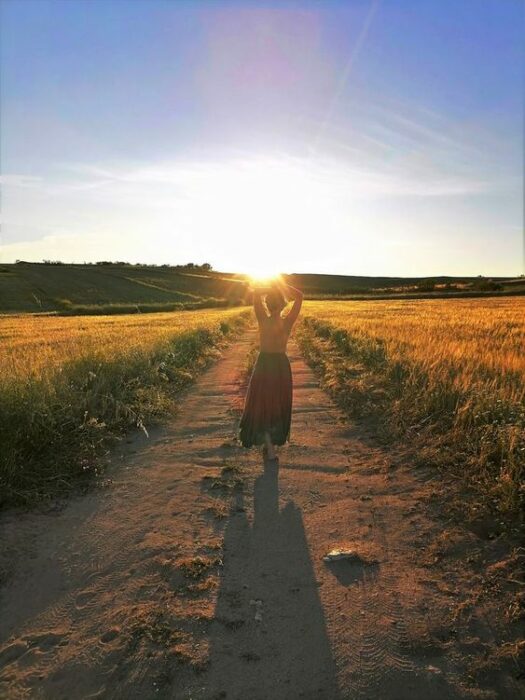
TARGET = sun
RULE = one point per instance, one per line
(262, 274)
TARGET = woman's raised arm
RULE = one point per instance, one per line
(258, 306)
(297, 296)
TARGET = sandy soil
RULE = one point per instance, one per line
(198, 572)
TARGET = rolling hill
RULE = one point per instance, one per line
(122, 288)
(32, 287)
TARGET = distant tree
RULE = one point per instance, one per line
(53, 262)
(487, 285)
(426, 285)
(206, 267)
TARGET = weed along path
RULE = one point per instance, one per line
(198, 572)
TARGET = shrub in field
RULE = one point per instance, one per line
(449, 376)
(59, 417)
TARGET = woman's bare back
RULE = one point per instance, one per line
(274, 332)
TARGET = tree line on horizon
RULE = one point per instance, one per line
(206, 267)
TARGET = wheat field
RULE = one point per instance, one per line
(69, 385)
(445, 375)
(450, 371)
(33, 345)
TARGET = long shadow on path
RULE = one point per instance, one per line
(268, 573)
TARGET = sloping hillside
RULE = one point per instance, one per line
(318, 284)
(31, 287)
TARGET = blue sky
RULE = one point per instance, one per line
(356, 137)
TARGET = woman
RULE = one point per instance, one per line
(268, 405)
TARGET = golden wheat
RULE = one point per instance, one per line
(36, 345)
(451, 372)
(69, 386)
(482, 339)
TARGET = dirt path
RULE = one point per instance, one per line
(150, 588)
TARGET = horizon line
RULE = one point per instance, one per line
(102, 263)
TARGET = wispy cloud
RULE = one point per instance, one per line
(146, 184)
(15, 180)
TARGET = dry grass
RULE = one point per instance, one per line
(69, 385)
(447, 374)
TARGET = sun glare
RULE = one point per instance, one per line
(263, 275)
(263, 204)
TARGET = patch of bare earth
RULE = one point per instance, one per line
(198, 573)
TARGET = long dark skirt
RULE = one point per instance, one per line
(268, 402)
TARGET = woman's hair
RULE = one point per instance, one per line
(275, 300)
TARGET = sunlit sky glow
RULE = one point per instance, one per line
(354, 137)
